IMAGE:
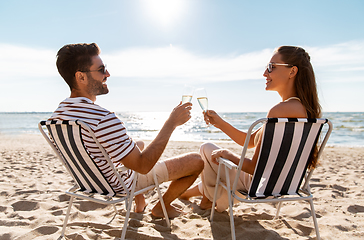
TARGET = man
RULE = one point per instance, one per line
(83, 70)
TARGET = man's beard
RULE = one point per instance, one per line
(96, 87)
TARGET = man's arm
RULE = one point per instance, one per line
(144, 161)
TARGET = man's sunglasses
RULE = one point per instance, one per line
(270, 66)
(102, 70)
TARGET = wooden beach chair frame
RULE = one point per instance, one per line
(282, 165)
(65, 139)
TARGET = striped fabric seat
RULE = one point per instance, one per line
(66, 135)
(282, 165)
(65, 139)
(283, 159)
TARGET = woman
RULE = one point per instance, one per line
(289, 73)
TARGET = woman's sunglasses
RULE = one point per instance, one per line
(270, 66)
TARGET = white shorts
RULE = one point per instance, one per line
(209, 175)
(146, 180)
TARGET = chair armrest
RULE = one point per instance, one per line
(227, 163)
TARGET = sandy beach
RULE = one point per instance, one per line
(33, 205)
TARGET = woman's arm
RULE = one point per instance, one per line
(248, 164)
(211, 117)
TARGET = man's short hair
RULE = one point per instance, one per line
(75, 57)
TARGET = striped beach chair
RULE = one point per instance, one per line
(65, 138)
(281, 167)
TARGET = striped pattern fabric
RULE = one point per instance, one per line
(283, 159)
(67, 137)
(109, 131)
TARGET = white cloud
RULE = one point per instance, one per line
(177, 63)
(182, 65)
(20, 62)
(348, 54)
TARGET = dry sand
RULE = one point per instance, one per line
(33, 205)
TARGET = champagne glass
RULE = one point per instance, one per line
(202, 98)
(187, 94)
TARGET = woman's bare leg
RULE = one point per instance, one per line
(205, 203)
(192, 192)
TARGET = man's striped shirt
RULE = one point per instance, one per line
(109, 131)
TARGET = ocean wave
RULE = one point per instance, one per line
(348, 127)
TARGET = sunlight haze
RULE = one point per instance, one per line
(152, 48)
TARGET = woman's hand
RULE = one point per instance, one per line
(224, 153)
(211, 117)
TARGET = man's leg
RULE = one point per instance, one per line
(208, 178)
(140, 203)
(183, 171)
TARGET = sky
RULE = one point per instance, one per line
(153, 48)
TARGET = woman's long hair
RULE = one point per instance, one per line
(305, 85)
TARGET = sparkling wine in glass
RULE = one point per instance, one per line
(187, 94)
(202, 98)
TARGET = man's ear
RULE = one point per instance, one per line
(80, 77)
(294, 71)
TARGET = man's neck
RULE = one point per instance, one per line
(76, 93)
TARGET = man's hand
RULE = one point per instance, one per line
(180, 114)
(144, 161)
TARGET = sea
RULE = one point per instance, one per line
(348, 126)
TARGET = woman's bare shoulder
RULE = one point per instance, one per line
(290, 109)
